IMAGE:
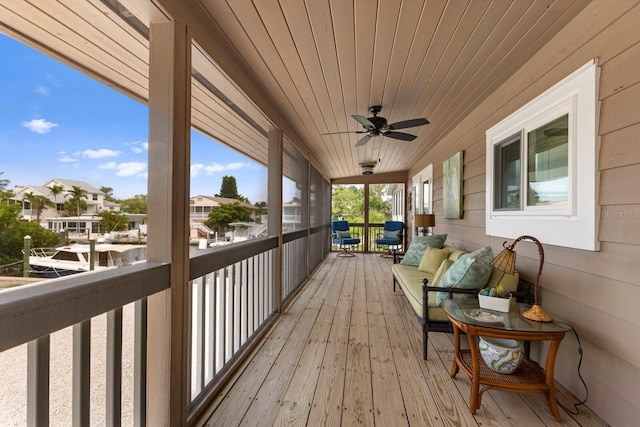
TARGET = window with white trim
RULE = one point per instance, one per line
(541, 166)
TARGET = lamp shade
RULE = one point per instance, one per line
(425, 220)
(505, 261)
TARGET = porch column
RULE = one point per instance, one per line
(168, 198)
(274, 209)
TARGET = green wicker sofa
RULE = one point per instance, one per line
(421, 290)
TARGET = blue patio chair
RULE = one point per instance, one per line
(341, 237)
(391, 237)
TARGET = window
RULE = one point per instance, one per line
(541, 166)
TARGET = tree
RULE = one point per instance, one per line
(39, 203)
(77, 195)
(108, 193)
(229, 189)
(222, 215)
(72, 207)
(55, 190)
(13, 230)
(262, 209)
(348, 203)
(28, 198)
(135, 205)
(3, 183)
(112, 221)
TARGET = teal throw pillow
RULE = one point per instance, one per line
(418, 247)
(470, 271)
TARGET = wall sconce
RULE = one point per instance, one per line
(425, 221)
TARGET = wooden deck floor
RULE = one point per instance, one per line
(347, 352)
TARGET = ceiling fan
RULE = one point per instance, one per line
(378, 126)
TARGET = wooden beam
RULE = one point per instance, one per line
(169, 154)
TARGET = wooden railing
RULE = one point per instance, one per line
(31, 314)
(233, 300)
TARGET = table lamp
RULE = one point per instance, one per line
(506, 261)
(425, 221)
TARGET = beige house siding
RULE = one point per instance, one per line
(597, 292)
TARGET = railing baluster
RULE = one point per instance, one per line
(210, 290)
(38, 382)
(114, 367)
(140, 364)
(81, 401)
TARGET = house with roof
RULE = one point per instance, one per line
(95, 199)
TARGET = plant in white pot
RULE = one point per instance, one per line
(497, 298)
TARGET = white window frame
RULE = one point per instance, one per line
(573, 224)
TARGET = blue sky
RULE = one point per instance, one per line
(58, 123)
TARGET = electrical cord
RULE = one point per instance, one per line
(582, 402)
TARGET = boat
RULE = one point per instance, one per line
(72, 259)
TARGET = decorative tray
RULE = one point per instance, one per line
(483, 316)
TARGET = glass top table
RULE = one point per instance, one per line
(467, 316)
(467, 310)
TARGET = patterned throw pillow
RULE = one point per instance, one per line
(343, 234)
(418, 247)
(470, 271)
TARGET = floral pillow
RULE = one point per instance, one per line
(419, 245)
(470, 271)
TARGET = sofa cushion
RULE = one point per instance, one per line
(418, 247)
(470, 271)
(455, 253)
(432, 259)
(500, 277)
(444, 266)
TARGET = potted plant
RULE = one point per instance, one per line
(497, 298)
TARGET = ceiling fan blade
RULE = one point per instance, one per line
(364, 121)
(363, 140)
(349, 131)
(409, 123)
(400, 135)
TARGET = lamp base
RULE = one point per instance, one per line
(536, 313)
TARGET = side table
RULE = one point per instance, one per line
(529, 377)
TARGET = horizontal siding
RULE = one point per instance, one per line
(596, 292)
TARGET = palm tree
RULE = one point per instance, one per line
(39, 202)
(55, 190)
(3, 183)
(28, 197)
(77, 194)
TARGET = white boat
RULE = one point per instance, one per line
(72, 259)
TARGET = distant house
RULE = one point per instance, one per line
(200, 206)
(95, 200)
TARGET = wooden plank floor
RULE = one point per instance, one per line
(347, 351)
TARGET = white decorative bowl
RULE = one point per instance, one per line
(501, 355)
(494, 303)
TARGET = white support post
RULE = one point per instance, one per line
(169, 156)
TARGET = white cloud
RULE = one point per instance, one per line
(131, 168)
(195, 169)
(39, 125)
(42, 90)
(109, 165)
(212, 168)
(64, 158)
(99, 154)
(139, 147)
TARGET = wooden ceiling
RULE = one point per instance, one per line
(319, 61)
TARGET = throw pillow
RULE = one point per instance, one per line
(390, 234)
(470, 271)
(432, 259)
(343, 234)
(419, 245)
(446, 264)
